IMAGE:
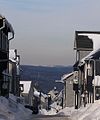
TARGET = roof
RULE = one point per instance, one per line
(7, 24)
(83, 42)
(64, 77)
(87, 32)
(27, 85)
(93, 55)
(96, 54)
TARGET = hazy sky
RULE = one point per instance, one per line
(45, 29)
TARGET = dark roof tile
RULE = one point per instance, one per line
(83, 42)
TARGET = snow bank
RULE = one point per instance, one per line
(47, 112)
(90, 112)
(11, 110)
(54, 110)
(67, 111)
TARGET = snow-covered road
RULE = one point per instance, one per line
(11, 111)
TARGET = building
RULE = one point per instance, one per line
(5, 30)
(54, 94)
(91, 64)
(84, 47)
(25, 87)
(30, 93)
(36, 92)
(68, 93)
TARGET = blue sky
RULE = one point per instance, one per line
(44, 29)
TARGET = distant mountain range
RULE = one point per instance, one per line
(44, 76)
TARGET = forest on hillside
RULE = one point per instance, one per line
(44, 76)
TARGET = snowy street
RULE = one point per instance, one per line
(12, 111)
(48, 117)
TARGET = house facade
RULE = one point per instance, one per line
(25, 87)
(5, 29)
(91, 72)
(85, 65)
(68, 93)
(36, 93)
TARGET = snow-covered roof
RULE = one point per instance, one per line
(67, 76)
(7, 24)
(36, 93)
(27, 85)
(44, 95)
(92, 55)
(95, 38)
(59, 81)
(64, 77)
